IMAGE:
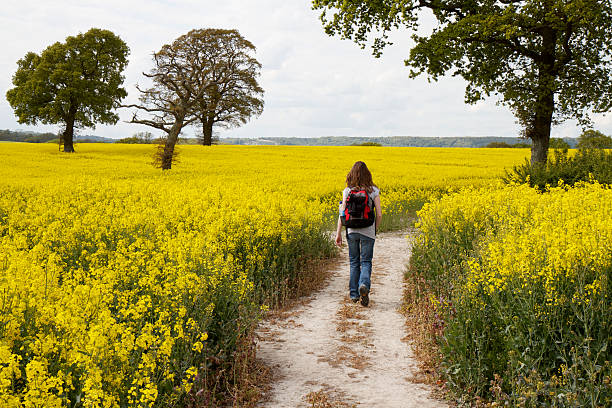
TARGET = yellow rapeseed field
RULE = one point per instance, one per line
(118, 281)
(523, 281)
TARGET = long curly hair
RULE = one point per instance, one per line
(359, 177)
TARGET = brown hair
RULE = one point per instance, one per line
(360, 177)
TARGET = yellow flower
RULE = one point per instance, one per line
(115, 267)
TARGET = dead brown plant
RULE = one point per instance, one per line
(355, 334)
(349, 323)
(312, 277)
(241, 383)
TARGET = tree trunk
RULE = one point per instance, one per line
(539, 150)
(207, 128)
(541, 126)
(167, 154)
(69, 131)
(545, 100)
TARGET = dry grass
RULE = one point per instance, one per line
(266, 334)
(424, 326)
(311, 278)
(355, 334)
(278, 317)
(350, 311)
(349, 322)
(241, 384)
(347, 355)
(253, 380)
(324, 399)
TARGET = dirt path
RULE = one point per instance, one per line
(330, 352)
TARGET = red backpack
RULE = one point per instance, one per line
(358, 210)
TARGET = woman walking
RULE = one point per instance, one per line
(356, 211)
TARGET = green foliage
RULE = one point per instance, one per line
(498, 145)
(492, 344)
(234, 95)
(506, 145)
(75, 83)
(28, 137)
(366, 144)
(548, 61)
(585, 165)
(558, 143)
(130, 140)
(138, 138)
(594, 139)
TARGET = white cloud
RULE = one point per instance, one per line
(315, 85)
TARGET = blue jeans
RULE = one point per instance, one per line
(361, 249)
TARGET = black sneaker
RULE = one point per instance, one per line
(355, 300)
(364, 291)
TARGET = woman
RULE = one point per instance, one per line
(360, 240)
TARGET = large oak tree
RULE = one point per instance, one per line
(76, 83)
(547, 60)
(234, 95)
(204, 77)
(169, 103)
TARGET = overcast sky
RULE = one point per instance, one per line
(314, 85)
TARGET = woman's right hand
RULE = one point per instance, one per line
(339, 240)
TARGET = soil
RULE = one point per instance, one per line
(330, 352)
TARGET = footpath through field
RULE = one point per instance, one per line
(330, 352)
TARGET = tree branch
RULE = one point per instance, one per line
(144, 108)
(439, 7)
(568, 55)
(153, 124)
(513, 44)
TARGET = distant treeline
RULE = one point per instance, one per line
(29, 137)
(409, 141)
(406, 141)
(36, 137)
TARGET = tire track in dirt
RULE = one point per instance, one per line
(335, 353)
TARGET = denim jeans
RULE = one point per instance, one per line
(361, 249)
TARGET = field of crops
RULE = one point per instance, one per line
(520, 288)
(121, 284)
(119, 281)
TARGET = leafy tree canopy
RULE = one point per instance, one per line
(137, 138)
(547, 60)
(76, 83)
(502, 145)
(234, 95)
(558, 143)
(206, 77)
(594, 139)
